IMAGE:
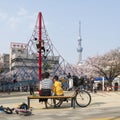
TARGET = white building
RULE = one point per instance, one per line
(116, 84)
(19, 56)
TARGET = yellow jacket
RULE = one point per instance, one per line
(57, 88)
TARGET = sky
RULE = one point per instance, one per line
(100, 25)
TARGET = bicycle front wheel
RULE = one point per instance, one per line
(83, 98)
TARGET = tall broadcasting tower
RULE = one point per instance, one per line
(79, 49)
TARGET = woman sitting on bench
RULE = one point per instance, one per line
(45, 87)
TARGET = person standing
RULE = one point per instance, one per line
(31, 89)
(91, 83)
(94, 87)
(46, 85)
(69, 75)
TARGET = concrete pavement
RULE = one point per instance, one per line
(104, 106)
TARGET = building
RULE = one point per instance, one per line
(19, 56)
(22, 66)
(4, 60)
(116, 84)
(101, 83)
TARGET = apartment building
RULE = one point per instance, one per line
(19, 56)
(4, 60)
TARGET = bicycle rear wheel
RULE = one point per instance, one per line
(83, 98)
(58, 102)
(8, 110)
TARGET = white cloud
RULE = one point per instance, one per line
(22, 12)
(21, 19)
(13, 22)
(3, 16)
(18, 19)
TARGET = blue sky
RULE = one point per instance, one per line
(100, 24)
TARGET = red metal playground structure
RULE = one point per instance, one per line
(47, 51)
(49, 59)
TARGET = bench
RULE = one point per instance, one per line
(72, 98)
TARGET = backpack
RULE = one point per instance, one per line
(23, 106)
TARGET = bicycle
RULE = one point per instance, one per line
(22, 109)
(83, 98)
(6, 110)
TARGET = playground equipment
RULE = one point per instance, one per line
(41, 48)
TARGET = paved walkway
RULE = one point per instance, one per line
(106, 104)
(12, 94)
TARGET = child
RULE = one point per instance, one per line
(57, 89)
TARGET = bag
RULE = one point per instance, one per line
(23, 106)
(39, 92)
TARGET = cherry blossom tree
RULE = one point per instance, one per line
(107, 65)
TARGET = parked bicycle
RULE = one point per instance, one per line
(83, 98)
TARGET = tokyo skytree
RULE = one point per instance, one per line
(79, 49)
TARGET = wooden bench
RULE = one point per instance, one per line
(72, 98)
